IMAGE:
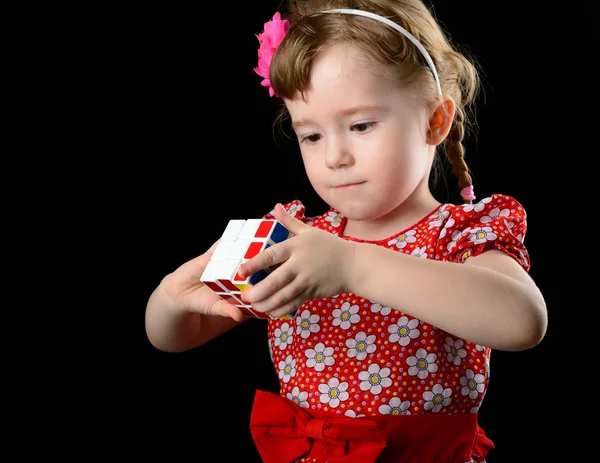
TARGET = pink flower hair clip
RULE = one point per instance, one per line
(273, 33)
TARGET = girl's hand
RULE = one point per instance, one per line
(188, 293)
(313, 263)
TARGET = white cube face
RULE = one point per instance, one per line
(233, 228)
(223, 249)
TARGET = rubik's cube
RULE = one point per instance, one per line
(240, 242)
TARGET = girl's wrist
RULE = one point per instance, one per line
(350, 266)
(169, 301)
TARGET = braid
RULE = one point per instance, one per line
(456, 152)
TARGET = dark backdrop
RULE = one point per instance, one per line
(198, 132)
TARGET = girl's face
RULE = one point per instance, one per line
(363, 139)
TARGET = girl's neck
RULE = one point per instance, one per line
(411, 211)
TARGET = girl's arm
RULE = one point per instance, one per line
(173, 328)
(489, 299)
(182, 313)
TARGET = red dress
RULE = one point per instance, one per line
(412, 390)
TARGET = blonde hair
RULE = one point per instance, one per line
(312, 33)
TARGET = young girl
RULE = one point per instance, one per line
(399, 299)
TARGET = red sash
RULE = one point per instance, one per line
(284, 432)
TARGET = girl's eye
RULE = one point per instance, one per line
(363, 126)
(315, 137)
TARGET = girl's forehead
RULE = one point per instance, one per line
(343, 80)
(347, 58)
(348, 66)
(350, 97)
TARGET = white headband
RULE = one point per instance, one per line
(400, 29)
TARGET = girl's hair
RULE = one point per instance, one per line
(311, 33)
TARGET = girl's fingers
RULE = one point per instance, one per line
(273, 283)
(291, 306)
(282, 299)
(225, 309)
(270, 257)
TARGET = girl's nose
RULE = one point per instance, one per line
(337, 152)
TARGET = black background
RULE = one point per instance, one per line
(196, 148)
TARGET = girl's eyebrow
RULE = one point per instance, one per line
(342, 113)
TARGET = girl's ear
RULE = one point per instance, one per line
(440, 122)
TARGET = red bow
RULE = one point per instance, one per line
(284, 432)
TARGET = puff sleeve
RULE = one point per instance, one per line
(496, 222)
(294, 208)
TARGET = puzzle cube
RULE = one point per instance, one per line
(241, 241)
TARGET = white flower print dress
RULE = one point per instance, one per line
(352, 357)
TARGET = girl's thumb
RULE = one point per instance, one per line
(291, 223)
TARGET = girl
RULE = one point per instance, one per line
(399, 299)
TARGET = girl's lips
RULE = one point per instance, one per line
(348, 185)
